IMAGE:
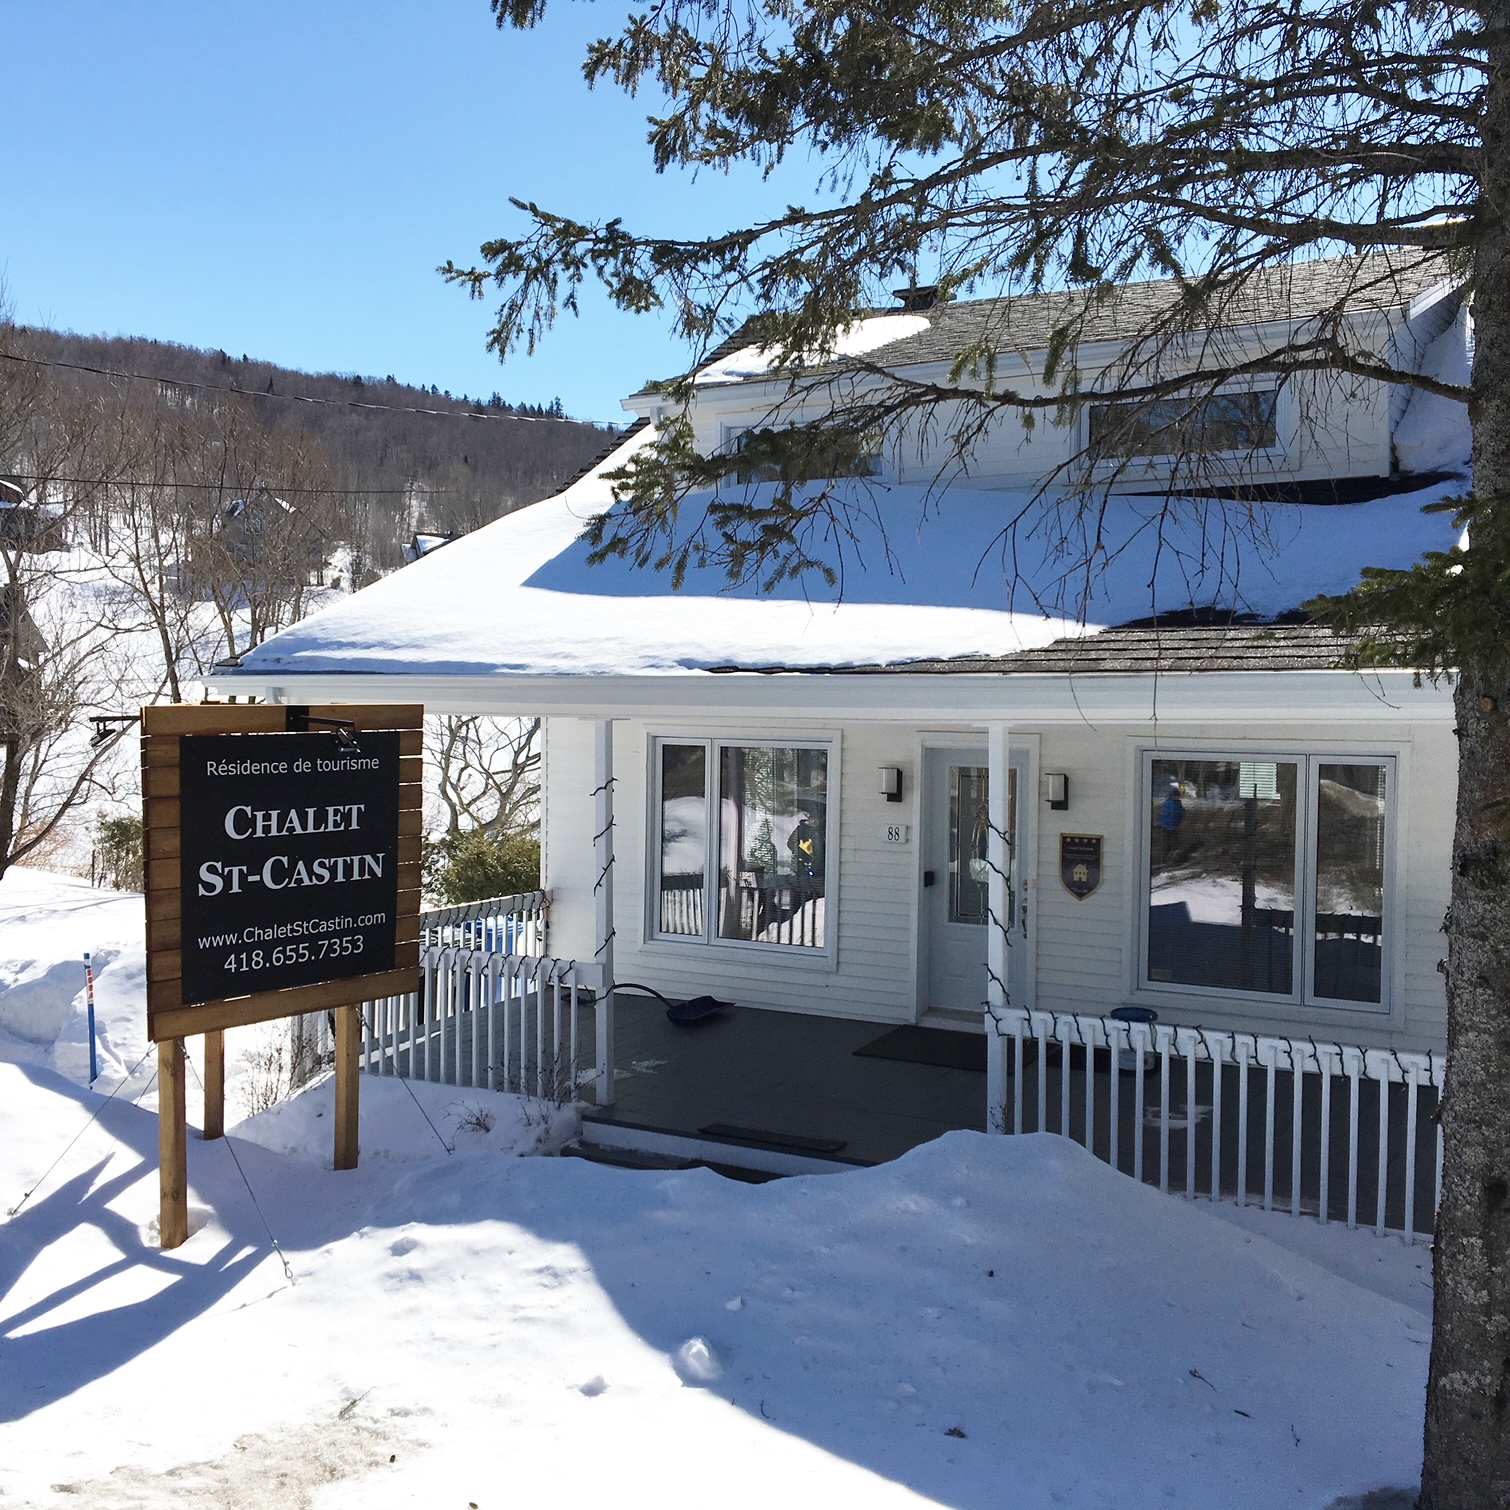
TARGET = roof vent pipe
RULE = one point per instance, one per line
(915, 300)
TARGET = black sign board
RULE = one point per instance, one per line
(289, 860)
(1080, 863)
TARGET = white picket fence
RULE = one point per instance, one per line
(1327, 1129)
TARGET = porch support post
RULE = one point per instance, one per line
(999, 901)
(603, 901)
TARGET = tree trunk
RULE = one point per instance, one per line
(10, 786)
(1467, 1464)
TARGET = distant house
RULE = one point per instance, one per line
(921, 794)
(249, 526)
(27, 525)
(422, 543)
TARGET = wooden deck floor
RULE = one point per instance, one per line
(787, 1075)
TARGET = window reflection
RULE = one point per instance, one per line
(684, 838)
(1221, 886)
(772, 842)
(1349, 915)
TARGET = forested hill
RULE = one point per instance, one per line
(450, 470)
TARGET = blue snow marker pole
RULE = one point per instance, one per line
(94, 1061)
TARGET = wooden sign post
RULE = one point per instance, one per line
(283, 876)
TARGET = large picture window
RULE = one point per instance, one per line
(1240, 849)
(766, 831)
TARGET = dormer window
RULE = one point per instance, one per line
(814, 455)
(1243, 421)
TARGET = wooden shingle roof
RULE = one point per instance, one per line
(1133, 651)
(1302, 290)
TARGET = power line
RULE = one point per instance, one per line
(214, 487)
(295, 398)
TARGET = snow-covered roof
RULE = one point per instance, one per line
(864, 336)
(922, 579)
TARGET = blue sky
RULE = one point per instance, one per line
(282, 179)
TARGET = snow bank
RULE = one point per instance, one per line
(47, 923)
(985, 1321)
(917, 579)
(401, 1122)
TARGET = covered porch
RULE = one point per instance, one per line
(1333, 1131)
(1339, 1133)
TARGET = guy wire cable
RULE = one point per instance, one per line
(80, 1133)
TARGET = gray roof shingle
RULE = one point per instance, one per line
(1122, 652)
(1025, 322)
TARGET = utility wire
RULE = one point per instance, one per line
(296, 398)
(84, 1129)
(213, 487)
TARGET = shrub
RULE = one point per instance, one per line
(118, 850)
(469, 866)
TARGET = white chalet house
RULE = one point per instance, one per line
(934, 799)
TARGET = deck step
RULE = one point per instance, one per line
(624, 1158)
(706, 1148)
(758, 1137)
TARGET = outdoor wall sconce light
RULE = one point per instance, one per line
(1058, 783)
(891, 783)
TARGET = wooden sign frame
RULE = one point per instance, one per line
(167, 1016)
(169, 1019)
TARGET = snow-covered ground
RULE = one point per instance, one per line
(47, 924)
(986, 1322)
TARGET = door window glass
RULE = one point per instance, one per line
(969, 835)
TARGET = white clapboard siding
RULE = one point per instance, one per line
(1086, 950)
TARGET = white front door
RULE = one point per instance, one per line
(956, 875)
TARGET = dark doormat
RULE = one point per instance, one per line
(937, 1046)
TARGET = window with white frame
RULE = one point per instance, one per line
(741, 840)
(1268, 875)
(1244, 420)
(813, 454)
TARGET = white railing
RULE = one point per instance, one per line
(502, 925)
(491, 1021)
(1331, 1130)
(504, 1022)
